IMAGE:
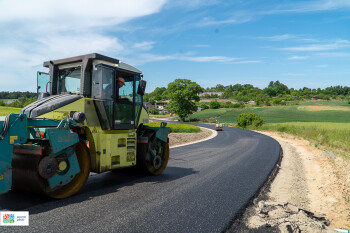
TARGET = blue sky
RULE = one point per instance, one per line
(300, 43)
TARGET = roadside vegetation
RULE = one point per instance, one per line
(5, 110)
(245, 120)
(178, 128)
(17, 99)
(333, 135)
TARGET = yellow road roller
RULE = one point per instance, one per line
(89, 117)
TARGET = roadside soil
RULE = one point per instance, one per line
(323, 108)
(176, 139)
(310, 193)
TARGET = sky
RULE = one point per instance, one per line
(300, 43)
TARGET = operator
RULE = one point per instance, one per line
(120, 82)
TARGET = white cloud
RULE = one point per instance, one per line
(237, 18)
(334, 54)
(293, 74)
(192, 3)
(310, 6)
(201, 45)
(297, 57)
(279, 37)
(38, 30)
(146, 45)
(219, 59)
(78, 12)
(338, 44)
(143, 58)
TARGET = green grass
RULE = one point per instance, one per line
(7, 99)
(334, 135)
(160, 116)
(276, 114)
(178, 128)
(5, 110)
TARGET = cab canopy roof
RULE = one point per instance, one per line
(88, 58)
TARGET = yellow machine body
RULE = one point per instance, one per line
(109, 149)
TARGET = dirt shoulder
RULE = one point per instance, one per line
(310, 192)
(176, 139)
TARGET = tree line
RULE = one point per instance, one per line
(16, 94)
(21, 99)
(275, 93)
(184, 95)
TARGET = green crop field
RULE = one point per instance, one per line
(177, 128)
(5, 110)
(328, 111)
(324, 123)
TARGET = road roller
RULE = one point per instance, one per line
(218, 126)
(89, 117)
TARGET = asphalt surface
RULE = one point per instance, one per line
(203, 188)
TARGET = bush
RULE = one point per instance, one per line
(238, 105)
(249, 119)
(276, 101)
(228, 104)
(204, 106)
(214, 104)
(154, 111)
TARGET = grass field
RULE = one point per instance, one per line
(324, 123)
(160, 116)
(280, 114)
(7, 99)
(334, 135)
(177, 128)
(5, 110)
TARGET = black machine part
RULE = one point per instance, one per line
(142, 87)
(79, 117)
(5, 126)
(49, 104)
(47, 167)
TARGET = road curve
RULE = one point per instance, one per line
(203, 187)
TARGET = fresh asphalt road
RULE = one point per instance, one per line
(203, 188)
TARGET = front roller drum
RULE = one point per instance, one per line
(152, 162)
(28, 176)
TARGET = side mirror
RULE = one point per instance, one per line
(142, 87)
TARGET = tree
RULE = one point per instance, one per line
(183, 95)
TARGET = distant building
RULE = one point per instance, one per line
(147, 105)
(9, 101)
(161, 105)
(211, 93)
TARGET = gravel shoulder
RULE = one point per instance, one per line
(177, 139)
(310, 193)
